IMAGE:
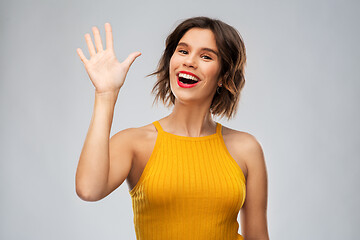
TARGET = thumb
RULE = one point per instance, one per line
(131, 58)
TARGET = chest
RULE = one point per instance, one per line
(185, 169)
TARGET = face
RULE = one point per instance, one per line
(195, 66)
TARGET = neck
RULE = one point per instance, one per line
(191, 121)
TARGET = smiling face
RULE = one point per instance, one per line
(195, 66)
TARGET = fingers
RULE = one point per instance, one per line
(81, 55)
(97, 39)
(90, 44)
(131, 58)
(109, 36)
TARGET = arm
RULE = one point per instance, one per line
(253, 214)
(103, 164)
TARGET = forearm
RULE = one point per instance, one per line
(93, 167)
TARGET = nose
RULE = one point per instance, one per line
(190, 61)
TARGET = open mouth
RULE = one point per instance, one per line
(187, 78)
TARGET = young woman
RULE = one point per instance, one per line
(188, 175)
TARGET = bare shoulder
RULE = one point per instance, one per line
(135, 135)
(242, 140)
(245, 148)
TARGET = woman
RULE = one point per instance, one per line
(188, 175)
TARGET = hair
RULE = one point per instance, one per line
(232, 61)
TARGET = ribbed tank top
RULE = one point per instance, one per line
(190, 188)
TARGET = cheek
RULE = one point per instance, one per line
(173, 64)
(174, 60)
(214, 71)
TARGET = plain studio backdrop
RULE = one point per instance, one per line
(301, 101)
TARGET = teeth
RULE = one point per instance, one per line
(187, 76)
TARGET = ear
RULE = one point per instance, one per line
(220, 83)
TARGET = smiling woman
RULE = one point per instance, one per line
(195, 56)
(188, 175)
(228, 50)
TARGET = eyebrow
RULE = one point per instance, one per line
(204, 49)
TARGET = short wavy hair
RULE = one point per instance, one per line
(232, 61)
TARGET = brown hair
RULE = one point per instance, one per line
(232, 60)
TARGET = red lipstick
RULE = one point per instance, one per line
(187, 85)
(189, 73)
(183, 85)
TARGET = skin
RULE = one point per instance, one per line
(105, 163)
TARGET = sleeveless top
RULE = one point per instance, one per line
(190, 188)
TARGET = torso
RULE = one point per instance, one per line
(145, 144)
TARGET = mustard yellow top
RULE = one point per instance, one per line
(191, 188)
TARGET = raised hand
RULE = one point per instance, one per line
(105, 71)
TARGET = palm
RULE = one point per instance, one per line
(105, 71)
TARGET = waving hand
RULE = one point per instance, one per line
(105, 71)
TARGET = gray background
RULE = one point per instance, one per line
(300, 101)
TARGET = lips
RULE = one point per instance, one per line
(187, 79)
(190, 75)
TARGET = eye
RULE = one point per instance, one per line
(183, 51)
(207, 57)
